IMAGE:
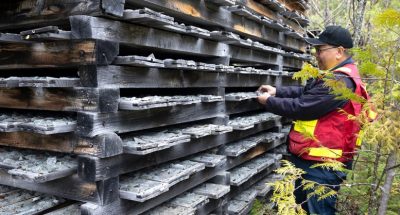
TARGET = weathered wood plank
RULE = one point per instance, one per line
(265, 11)
(19, 201)
(252, 56)
(107, 144)
(91, 124)
(259, 8)
(142, 77)
(252, 153)
(94, 169)
(293, 44)
(212, 205)
(137, 36)
(253, 80)
(104, 145)
(298, 5)
(247, 80)
(208, 14)
(235, 190)
(232, 107)
(50, 82)
(204, 13)
(33, 177)
(130, 207)
(72, 187)
(56, 142)
(13, 122)
(74, 208)
(56, 54)
(292, 62)
(125, 206)
(9, 37)
(28, 13)
(60, 99)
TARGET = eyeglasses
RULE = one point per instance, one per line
(318, 51)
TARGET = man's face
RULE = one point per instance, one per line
(326, 56)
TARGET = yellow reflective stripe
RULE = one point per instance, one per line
(307, 127)
(360, 138)
(325, 152)
(372, 114)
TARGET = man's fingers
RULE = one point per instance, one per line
(263, 88)
(262, 99)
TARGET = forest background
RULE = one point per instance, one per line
(373, 185)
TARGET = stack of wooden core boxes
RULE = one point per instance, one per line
(142, 106)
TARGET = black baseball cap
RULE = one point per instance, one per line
(333, 35)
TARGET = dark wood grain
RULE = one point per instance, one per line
(91, 124)
(60, 99)
(34, 13)
(56, 54)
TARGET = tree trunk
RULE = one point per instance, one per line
(358, 21)
(348, 6)
(326, 14)
(387, 186)
(386, 3)
(372, 194)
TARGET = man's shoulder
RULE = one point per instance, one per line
(347, 79)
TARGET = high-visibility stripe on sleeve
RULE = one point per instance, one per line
(325, 152)
(307, 127)
(372, 114)
(360, 138)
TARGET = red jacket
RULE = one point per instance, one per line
(334, 135)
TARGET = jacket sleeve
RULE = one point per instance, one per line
(312, 104)
(289, 92)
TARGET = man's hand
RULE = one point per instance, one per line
(262, 99)
(267, 89)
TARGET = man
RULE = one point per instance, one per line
(319, 114)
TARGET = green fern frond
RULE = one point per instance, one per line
(300, 210)
(310, 195)
(340, 90)
(371, 69)
(330, 165)
(307, 72)
(308, 185)
(320, 190)
(389, 18)
(331, 193)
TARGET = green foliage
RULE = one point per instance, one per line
(283, 195)
(385, 130)
(341, 92)
(331, 165)
(261, 208)
(371, 69)
(307, 72)
(378, 62)
(308, 185)
(283, 190)
(389, 18)
(321, 192)
(396, 91)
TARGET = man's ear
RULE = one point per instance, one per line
(340, 53)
